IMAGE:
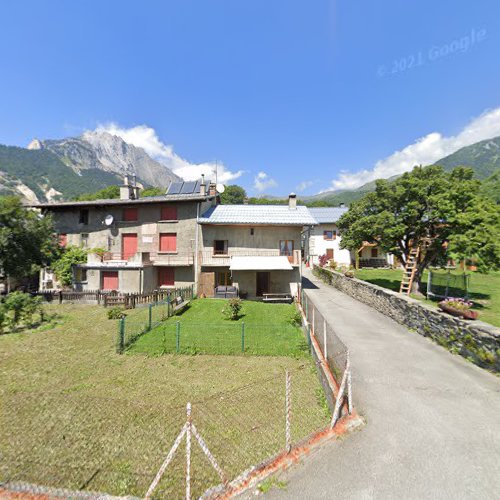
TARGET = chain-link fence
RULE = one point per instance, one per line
(444, 284)
(229, 338)
(117, 446)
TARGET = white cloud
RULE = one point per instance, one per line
(146, 138)
(262, 181)
(302, 186)
(423, 151)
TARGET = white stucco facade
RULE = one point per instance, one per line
(324, 239)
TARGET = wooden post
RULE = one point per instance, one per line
(288, 412)
(188, 451)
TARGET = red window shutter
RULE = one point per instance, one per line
(130, 214)
(166, 276)
(168, 242)
(63, 240)
(169, 213)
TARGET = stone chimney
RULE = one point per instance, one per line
(245, 200)
(203, 186)
(342, 205)
(212, 189)
(292, 201)
(129, 190)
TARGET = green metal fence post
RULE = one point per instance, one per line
(150, 316)
(178, 337)
(243, 336)
(121, 335)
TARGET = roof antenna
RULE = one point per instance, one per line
(216, 168)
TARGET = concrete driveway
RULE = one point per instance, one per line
(433, 419)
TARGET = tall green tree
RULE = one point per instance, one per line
(27, 240)
(233, 195)
(444, 210)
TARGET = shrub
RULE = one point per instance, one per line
(232, 309)
(349, 274)
(22, 307)
(459, 304)
(323, 260)
(296, 318)
(3, 318)
(116, 313)
(63, 267)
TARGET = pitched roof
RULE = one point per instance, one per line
(325, 215)
(279, 215)
(117, 201)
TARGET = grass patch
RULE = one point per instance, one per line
(75, 414)
(262, 329)
(484, 289)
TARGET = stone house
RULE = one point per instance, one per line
(146, 243)
(255, 248)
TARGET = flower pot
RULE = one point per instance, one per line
(459, 313)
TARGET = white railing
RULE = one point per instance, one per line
(209, 258)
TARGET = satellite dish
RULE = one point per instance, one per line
(108, 220)
(220, 188)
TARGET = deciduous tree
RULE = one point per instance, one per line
(445, 212)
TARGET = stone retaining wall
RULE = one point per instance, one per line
(477, 341)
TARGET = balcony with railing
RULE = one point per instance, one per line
(109, 259)
(214, 258)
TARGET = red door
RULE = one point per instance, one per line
(129, 246)
(110, 280)
(166, 276)
(329, 253)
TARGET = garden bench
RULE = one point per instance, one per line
(276, 297)
(179, 304)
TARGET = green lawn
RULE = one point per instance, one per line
(75, 414)
(484, 289)
(262, 329)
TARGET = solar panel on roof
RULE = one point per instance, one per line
(188, 188)
(175, 188)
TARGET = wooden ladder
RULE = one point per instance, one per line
(409, 272)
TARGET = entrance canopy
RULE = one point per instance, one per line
(274, 263)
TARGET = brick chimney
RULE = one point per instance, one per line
(212, 189)
(292, 201)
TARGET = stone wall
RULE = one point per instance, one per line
(477, 341)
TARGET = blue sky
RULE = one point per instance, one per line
(283, 94)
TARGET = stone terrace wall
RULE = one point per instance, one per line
(477, 341)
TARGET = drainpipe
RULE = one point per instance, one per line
(196, 239)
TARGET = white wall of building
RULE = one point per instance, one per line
(318, 245)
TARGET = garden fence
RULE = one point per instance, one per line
(149, 317)
(112, 298)
(118, 446)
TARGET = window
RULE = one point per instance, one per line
(80, 275)
(63, 240)
(168, 242)
(220, 247)
(84, 216)
(286, 247)
(374, 253)
(130, 214)
(84, 240)
(168, 213)
(328, 235)
(252, 231)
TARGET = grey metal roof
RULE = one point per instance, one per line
(258, 214)
(326, 215)
(116, 201)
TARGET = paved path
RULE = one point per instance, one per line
(433, 419)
